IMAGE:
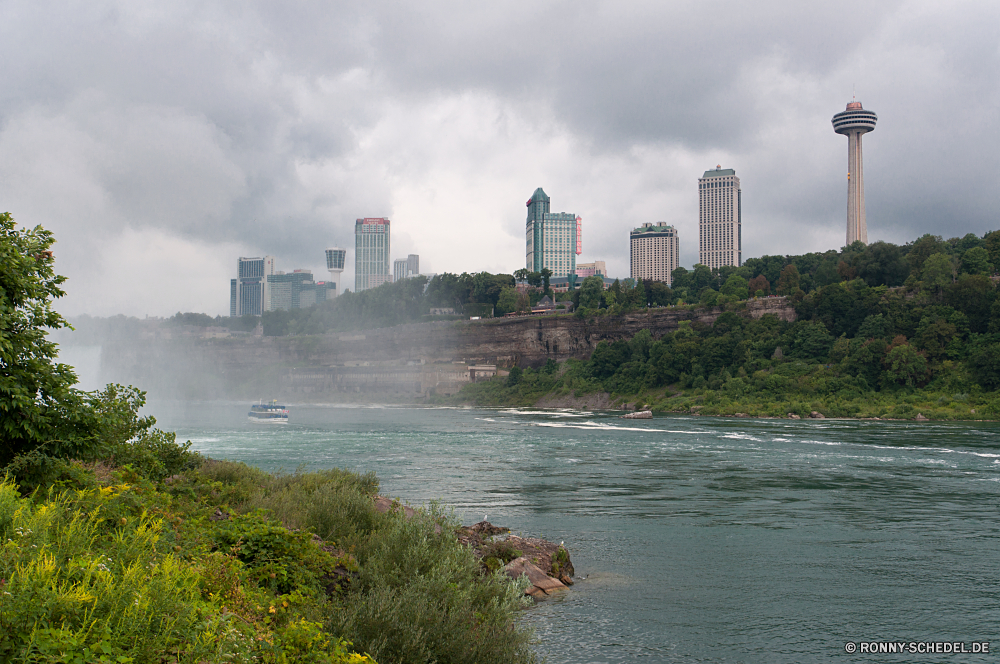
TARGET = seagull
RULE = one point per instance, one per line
(484, 517)
(562, 542)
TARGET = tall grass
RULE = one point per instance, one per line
(418, 596)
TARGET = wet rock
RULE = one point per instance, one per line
(640, 415)
(920, 417)
(816, 415)
(541, 583)
(487, 529)
(793, 416)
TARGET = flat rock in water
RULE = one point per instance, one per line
(640, 415)
(540, 581)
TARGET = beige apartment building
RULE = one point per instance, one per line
(655, 252)
(720, 232)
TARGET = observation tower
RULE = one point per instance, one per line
(854, 123)
(335, 264)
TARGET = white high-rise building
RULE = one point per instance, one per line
(655, 252)
(371, 253)
(249, 293)
(720, 232)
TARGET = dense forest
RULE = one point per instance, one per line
(881, 331)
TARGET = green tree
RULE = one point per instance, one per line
(681, 278)
(507, 302)
(546, 275)
(925, 247)
(937, 272)
(735, 286)
(984, 363)
(591, 291)
(40, 409)
(905, 366)
(976, 261)
(789, 280)
(991, 241)
(702, 277)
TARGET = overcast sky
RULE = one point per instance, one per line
(160, 141)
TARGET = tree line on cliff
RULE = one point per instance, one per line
(891, 325)
(929, 259)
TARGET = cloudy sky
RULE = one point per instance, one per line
(160, 141)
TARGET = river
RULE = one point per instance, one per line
(701, 539)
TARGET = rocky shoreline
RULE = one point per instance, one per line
(547, 565)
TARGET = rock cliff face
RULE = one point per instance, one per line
(526, 341)
(393, 363)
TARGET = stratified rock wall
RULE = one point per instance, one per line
(391, 363)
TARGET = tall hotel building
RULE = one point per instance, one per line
(552, 240)
(655, 252)
(371, 253)
(720, 233)
(249, 292)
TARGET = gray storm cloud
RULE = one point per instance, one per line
(159, 142)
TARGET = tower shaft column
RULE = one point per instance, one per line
(857, 227)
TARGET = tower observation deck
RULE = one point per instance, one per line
(854, 123)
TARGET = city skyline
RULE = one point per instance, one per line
(172, 141)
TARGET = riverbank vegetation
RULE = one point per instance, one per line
(118, 544)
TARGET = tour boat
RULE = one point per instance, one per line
(270, 413)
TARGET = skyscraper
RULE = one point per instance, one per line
(720, 229)
(371, 253)
(655, 252)
(285, 290)
(335, 264)
(404, 268)
(399, 269)
(854, 122)
(552, 240)
(248, 293)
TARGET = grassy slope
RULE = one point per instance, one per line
(105, 564)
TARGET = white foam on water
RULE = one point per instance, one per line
(742, 436)
(594, 426)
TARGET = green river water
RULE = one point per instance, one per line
(700, 539)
